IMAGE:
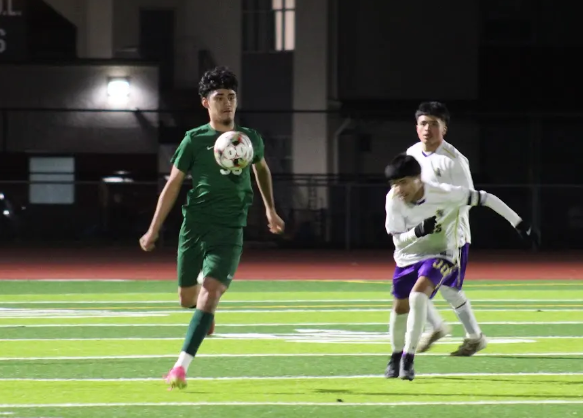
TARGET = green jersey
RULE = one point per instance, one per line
(217, 196)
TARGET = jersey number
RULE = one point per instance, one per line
(438, 228)
(236, 172)
(443, 267)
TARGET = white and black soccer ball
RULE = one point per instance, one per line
(233, 150)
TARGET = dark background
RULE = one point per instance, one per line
(508, 71)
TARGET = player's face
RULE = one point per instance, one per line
(221, 104)
(407, 188)
(430, 130)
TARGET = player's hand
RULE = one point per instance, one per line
(148, 240)
(275, 224)
(528, 233)
(426, 227)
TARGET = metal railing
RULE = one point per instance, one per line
(344, 214)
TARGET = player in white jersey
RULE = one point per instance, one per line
(423, 219)
(441, 162)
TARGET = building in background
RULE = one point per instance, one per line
(109, 86)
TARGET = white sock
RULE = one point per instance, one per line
(417, 316)
(397, 329)
(467, 318)
(184, 360)
(434, 319)
(463, 309)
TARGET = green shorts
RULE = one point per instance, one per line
(213, 250)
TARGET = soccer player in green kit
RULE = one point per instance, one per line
(211, 237)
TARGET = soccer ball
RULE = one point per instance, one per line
(233, 150)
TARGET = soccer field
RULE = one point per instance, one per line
(282, 349)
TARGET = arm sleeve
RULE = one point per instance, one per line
(183, 157)
(395, 225)
(498, 206)
(462, 196)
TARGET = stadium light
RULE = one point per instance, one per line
(118, 87)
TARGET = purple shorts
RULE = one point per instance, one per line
(437, 270)
(457, 280)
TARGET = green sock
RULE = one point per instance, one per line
(200, 324)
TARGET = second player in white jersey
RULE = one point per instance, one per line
(442, 163)
(446, 165)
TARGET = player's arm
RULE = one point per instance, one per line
(395, 225)
(182, 162)
(167, 199)
(482, 198)
(466, 197)
(265, 184)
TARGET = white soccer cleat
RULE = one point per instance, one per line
(431, 337)
(471, 346)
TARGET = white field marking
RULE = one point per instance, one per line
(70, 313)
(66, 314)
(310, 333)
(160, 356)
(335, 404)
(387, 310)
(472, 283)
(70, 280)
(281, 324)
(364, 376)
(223, 302)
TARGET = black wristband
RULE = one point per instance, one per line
(419, 230)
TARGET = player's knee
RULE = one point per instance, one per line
(424, 285)
(454, 297)
(210, 294)
(401, 306)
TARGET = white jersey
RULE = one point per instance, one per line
(443, 201)
(447, 165)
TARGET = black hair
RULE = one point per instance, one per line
(217, 78)
(435, 109)
(401, 166)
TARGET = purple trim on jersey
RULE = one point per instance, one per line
(457, 280)
(419, 202)
(426, 155)
(405, 278)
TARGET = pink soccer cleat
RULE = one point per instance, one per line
(176, 378)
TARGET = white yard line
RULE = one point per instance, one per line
(160, 356)
(387, 309)
(223, 302)
(66, 313)
(279, 324)
(295, 404)
(253, 336)
(365, 376)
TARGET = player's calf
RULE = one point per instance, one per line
(397, 329)
(188, 296)
(463, 310)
